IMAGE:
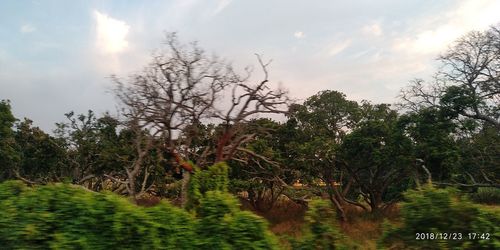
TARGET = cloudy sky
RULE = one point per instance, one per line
(57, 55)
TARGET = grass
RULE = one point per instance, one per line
(364, 227)
(286, 220)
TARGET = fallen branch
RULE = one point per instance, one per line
(23, 179)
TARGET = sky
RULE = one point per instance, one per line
(57, 56)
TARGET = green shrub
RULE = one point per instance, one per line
(322, 229)
(202, 181)
(487, 195)
(175, 229)
(249, 231)
(432, 210)
(63, 216)
(222, 225)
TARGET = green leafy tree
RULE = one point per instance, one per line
(42, 157)
(8, 155)
(103, 148)
(379, 156)
(457, 109)
(322, 123)
(431, 132)
(81, 139)
(259, 168)
(480, 158)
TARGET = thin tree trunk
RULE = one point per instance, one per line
(186, 175)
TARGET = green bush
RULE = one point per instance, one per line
(322, 229)
(212, 179)
(487, 195)
(175, 230)
(63, 216)
(432, 210)
(223, 225)
(249, 231)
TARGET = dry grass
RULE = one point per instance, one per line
(148, 201)
(364, 227)
(286, 219)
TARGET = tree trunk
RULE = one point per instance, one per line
(336, 201)
(131, 186)
(375, 201)
(219, 152)
(186, 175)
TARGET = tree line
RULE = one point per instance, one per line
(187, 110)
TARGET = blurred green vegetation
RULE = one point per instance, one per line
(215, 178)
(487, 195)
(322, 230)
(432, 210)
(63, 216)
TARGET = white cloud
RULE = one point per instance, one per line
(437, 34)
(298, 34)
(431, 41)
(339, 47)
(27, 28)
(373, 29)
(111, 33)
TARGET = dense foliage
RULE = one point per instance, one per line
(8, 154)
(64, 216)
(223, 226)
(215, 178)
(432, 210)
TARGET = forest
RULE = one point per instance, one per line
(203, 155)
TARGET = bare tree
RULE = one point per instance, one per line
(419, 95)
(466, 91)
(246, 101)
(472, 68)
(176, 90)
(468, 82)
(179, 91)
